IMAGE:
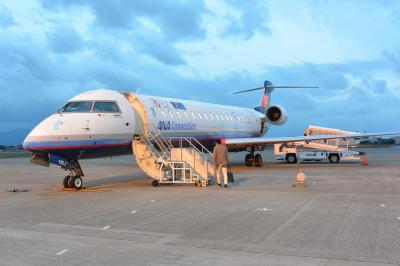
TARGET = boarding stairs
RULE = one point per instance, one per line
(173, 160)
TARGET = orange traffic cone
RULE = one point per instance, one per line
(365, 160)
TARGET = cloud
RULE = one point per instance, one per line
(393, 57)
(176, 19)
(253, 17)
(65, 39)
(203, 52)
(160, 49)
(6, 17)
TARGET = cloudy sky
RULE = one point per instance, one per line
(204, 50)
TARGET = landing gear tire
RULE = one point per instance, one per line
(291, 158)
(155, 183)
(66, 181)
(257, 160)
(249, 159)
(75, 182)
(334, 158)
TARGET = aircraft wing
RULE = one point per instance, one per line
(260, 141)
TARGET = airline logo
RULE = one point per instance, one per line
(174, 126)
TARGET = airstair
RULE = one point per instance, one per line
(173, 160)
(332, 144)
(335, 145)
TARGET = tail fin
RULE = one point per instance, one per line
(266, 98)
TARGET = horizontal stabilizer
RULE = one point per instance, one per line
(273, 87)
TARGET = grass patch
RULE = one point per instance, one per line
(5, 155)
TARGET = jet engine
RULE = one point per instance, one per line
(276, 115)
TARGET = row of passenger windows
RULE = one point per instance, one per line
(86, 106)
(204, 115)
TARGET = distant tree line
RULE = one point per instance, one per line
(12, 147)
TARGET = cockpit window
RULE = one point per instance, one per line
(106, 107)
(77, 107)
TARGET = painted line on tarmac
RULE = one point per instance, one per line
(112, 185)
(265, 209)
(398, 218)
(59, 191)
(62, 252)
(133, 212)
(383, 205)
(100, 188)
(152, 201)
(106, 227)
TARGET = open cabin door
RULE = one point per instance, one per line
(141, 116)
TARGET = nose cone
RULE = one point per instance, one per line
(25, 144)
(36, 138)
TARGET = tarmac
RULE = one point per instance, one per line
(348, 214)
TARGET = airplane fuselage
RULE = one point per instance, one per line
(102, 123)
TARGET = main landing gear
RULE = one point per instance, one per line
(253, 158)
(74, 177)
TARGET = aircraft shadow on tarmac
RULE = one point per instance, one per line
(119, 180)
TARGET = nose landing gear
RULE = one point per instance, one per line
(74, 177)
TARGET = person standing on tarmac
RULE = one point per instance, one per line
(220, 153)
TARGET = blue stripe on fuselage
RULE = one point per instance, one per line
(85, 149)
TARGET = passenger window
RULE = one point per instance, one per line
(106, 107)
(76, 107)
(153, 112)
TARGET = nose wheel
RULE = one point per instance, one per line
(73, 182)
(65, 181)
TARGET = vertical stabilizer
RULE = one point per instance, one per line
(266, 97)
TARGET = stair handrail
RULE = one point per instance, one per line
(147, 140)
(165, 145)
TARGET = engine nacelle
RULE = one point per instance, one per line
(276, 115)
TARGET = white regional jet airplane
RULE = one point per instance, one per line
(102, 123)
